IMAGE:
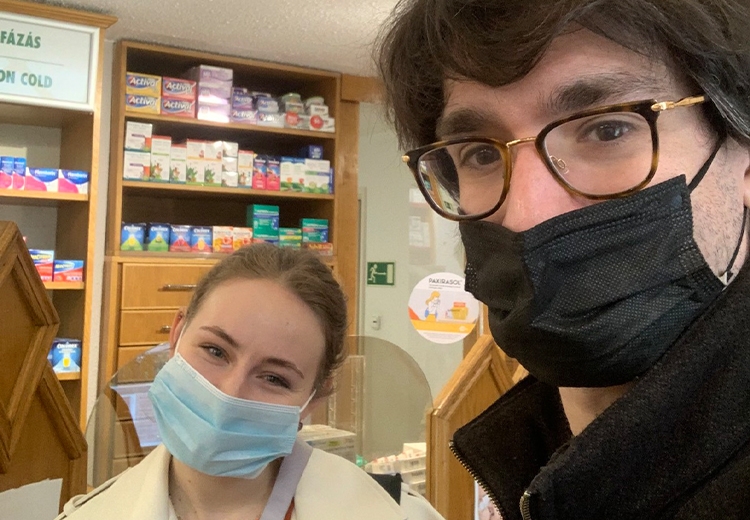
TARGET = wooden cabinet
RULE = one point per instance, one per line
(143, 290)
(64, 222)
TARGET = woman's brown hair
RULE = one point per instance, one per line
(302, 273)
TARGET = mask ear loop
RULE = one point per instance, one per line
(308, 400)
(179, 338)
(728, 274)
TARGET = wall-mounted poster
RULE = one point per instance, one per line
(441, 310)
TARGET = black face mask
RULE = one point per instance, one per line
(594, 297)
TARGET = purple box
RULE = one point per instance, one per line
(214, 94)
(242, 99)
(244, 116)
(209, 73)
(218, 113)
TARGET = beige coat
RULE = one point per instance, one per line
(331, 488)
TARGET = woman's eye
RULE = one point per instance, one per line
(214, 351)
(276, 380)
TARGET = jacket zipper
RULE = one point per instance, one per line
(477, 478)
(525, 505)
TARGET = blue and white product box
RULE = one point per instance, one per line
(312, 151)
(65, 355)
(242, 99)
(19, 173)
(73, 181)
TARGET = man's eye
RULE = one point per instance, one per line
(478, 155)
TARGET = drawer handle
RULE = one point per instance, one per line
(176, 287)
(165, 328)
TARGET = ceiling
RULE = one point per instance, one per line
(328, 34)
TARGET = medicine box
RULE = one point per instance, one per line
(213, 150)
(136, 166)
(67, 271)
(44, 261)
(41, 179)
(132, 237)
(273, 174)
(264, 220)
(19, 173)
(65, 355)
(230, 148)
(259, 172)
(73, 181)
(177, 108)
(290, 237)
(160, 168)
(194, 173)
(245, 160)
(216, 113)
(158, 237)
(201, 240)
(178, 164)
(215, 93)
(314, 230)
(6, 172)
(178, 88)
(249, 117)
(266, 105)
(316, 175)
(209, 73)
(287, 173)
(241, 237)
(242, 100)
(331, 440)
(212, 173)
(321, 248)
(229, 179)
(312, 151)
(180, 238)
(138, 136)
(223, 239)
(143, 84)
(271, 119)
(195, 149)
(142, 104)
(229, 164)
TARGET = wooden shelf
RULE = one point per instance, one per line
(189, 191)
(64, 286)
(68, 376)
(201, 124)
(211, 258)
(42, 198)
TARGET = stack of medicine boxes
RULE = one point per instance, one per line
(265, 222)
(214, 92)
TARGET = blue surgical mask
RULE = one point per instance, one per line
(216, 433)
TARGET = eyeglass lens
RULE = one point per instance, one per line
(597, 155)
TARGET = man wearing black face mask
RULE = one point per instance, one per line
(596, 155)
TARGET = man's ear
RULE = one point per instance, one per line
(174, 333)
(746, 183)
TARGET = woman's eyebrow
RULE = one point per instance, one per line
(221, 333)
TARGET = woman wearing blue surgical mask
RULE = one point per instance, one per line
(252, 356)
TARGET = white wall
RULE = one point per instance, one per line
(385, 183)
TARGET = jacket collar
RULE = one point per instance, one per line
(680, 422)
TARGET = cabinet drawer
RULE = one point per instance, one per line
(159, 285)
(145, 327)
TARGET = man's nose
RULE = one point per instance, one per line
(534, 195)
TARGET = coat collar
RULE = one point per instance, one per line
(680, 422)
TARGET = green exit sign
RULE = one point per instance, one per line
(381, 273)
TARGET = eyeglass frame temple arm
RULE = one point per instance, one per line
(684, 102)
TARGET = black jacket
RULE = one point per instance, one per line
(676, 446)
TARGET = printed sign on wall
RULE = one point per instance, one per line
(441, 310)
(45, 62)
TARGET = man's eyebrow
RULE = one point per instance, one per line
(599, 89)
(221, 333)
(463, 121)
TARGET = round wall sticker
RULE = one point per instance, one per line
(441, 310)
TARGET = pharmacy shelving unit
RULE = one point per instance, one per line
(75, 214)
(144, 289)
